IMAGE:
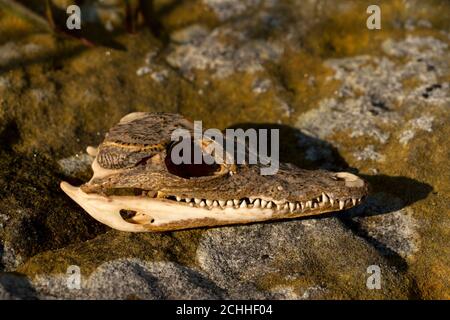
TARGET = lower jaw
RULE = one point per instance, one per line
(154, 214)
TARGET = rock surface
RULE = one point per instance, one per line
(375, 102)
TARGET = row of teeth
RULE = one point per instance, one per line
(322, 201)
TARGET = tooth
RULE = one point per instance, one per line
(332, 201)
(302, 205)
(222, 203)
(263, 203)
(202, 204)
(257, 203)
(319, 199)
(251, 200)
(215, 203)
(269, 204)
(315, 205)
(291, 206)
(278, 206)
(286, 205)
(236, 202)
(309, 204)
(325, 198)
(191, 204)
(188, 200)
(229, 203)
(209, 202)
(178, 198)
(354, 201)
(341, 204)
(243, 204)
(197, 201)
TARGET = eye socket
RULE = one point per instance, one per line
(190, 170)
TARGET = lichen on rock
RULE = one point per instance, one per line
(223, 51)
(372, 102)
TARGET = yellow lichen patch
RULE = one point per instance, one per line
(344, 33)
(272, 282)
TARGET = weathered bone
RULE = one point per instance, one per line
(132, 157)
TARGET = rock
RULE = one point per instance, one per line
(372, 95)
(74, 165)
(261, 86)
(225, 9)
(395, 232)
(190, 34)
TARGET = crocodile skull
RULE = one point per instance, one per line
(135, 186)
